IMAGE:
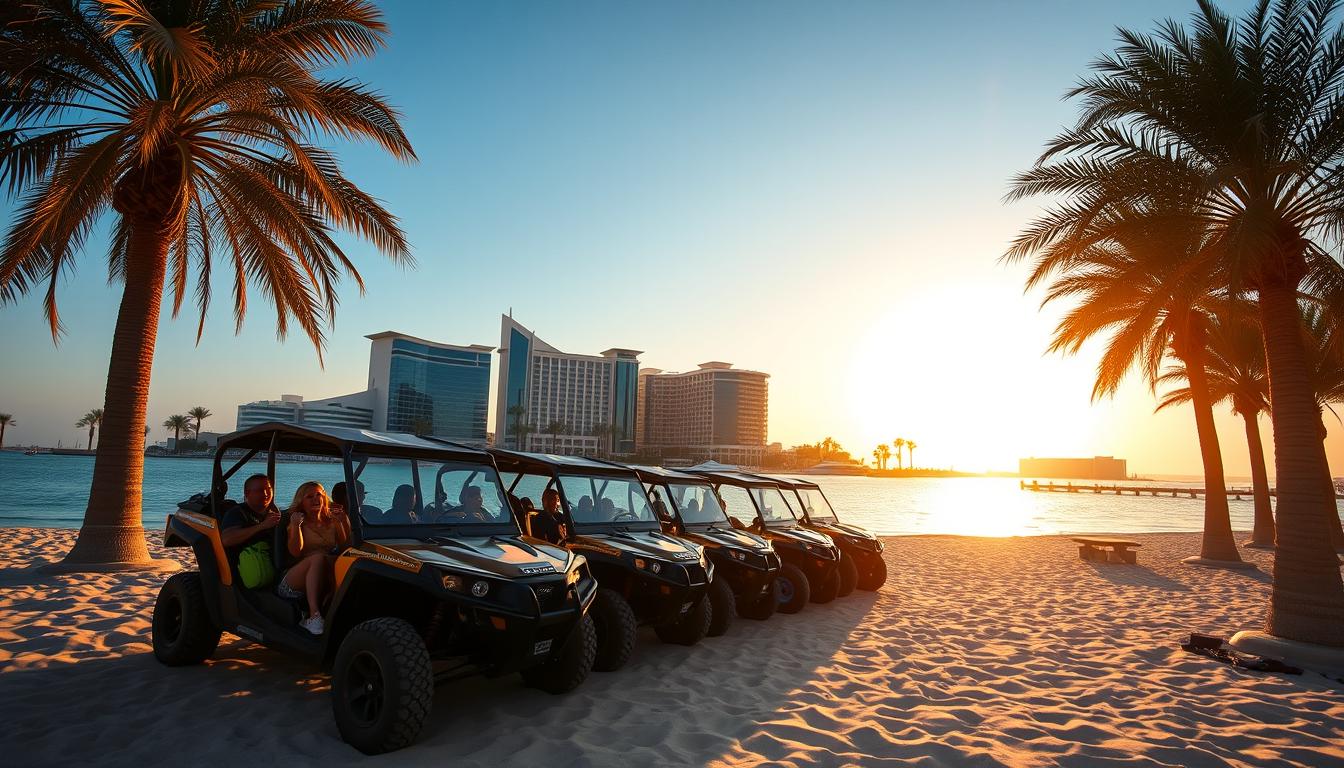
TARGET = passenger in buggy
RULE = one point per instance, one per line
(315, 534)
(251, 521)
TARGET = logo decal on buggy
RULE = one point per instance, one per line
(529, 570)
(386, 556)
(685, 556)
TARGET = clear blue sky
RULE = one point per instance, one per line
(808, 189)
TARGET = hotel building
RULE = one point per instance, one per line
(592, 395)
(716, 412)
(415, 386)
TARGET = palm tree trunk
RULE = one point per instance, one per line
(1218, 543)
(112, 532)
(1307, 600)
(1263, 532)
(2, 435)
(1332, 516)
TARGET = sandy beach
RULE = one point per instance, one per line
(977, 652)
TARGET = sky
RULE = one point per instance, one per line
(810, 190)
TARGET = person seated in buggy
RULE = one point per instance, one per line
(251, 521)
(471, 507)
(370, 513)
(315, 534)
(405, 509)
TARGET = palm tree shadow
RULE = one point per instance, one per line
(1136, 576)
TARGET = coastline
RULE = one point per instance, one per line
(1006, 651)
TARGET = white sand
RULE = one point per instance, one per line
(977, 652)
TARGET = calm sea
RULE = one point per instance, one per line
(49, 490)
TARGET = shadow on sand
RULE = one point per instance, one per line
(1135, 576)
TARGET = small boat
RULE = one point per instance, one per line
(30, 452)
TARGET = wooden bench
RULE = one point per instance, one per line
(1107, 550)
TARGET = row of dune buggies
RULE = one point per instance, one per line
(436, 595)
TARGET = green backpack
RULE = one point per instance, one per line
(255, 566)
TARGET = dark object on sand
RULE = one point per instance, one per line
(1213, 647)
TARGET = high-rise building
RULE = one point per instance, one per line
(588, 399)
(424, 387)
(716, 412)
(415, 386)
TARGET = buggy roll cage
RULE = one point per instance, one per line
(553, 465)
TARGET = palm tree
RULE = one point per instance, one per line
(1236, 374)
(602, 431)
(555, 429)
(900, 447)
(1248, 113)
(1145, 280)
(520, 428)
(92, 420)
(200, 413)
(177, 423)
(910, 448)
(882, 454)
(5, 421)
(1323, 333)
(195, 123)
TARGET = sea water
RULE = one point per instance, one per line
(46, 490)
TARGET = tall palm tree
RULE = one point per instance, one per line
(1248, 112)
(1145, 279)
(5, 421)
(93, 419)
(1323, 331)
(177, 423)
(193, 123)
(1236, 374)
(884, 454)
(520, 427)
(910, 451)
(200, 413)
(555, 429)
(900, 448)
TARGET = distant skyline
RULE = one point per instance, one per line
(812, 191)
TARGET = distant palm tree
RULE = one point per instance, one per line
(910, 449)
(555, 429)
(200, 413)
(1236, 374)
(900, 446)
(195, 123)
(5, 421)
(177, 423)
(602, 431)
(1247, 112)
(520, 427)
(92, 420)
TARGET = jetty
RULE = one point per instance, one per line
(1135, 490)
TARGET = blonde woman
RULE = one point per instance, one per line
(316, 532)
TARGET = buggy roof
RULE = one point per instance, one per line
(331, 441)
(523, 461)
(740, 478)
(792, 482)
(663, 474)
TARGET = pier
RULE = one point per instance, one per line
(1135, 490)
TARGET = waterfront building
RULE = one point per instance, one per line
(716, 412)
(592, 395)
(430, 388)
(1095, 468)
(353, 410)
(415, 386)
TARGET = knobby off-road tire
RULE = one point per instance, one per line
(875, 577)
(181, 631)
(568, 667)
(791, 589)
(615, 624)
(382, 686)
(764, 606)
(722, 607)
(692, 627)
(825, 590)
(849, 575)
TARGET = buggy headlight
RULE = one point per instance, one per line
(821, 551)
(652, 566)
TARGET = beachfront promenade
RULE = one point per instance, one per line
(1136, 490)
(976, 652)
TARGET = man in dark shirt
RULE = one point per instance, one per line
(549, 522)
(253, 520)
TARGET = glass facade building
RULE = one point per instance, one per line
(561, 402)
(437, 390)
(716, 412)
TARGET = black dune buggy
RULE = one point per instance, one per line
(420, 596)
(861, 563)
(745, 565)
(644, 575)
(811, 569)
